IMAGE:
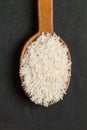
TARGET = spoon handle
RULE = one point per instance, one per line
(45, 16)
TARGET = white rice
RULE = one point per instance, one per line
(45, 69)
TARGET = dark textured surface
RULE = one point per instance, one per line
(18, 22)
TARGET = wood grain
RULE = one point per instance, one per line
(45, 15)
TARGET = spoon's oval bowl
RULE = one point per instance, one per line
(33, 38)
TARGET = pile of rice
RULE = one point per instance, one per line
(46, 70)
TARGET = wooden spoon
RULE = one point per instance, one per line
(45, 13)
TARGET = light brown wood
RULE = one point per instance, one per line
(45, 15)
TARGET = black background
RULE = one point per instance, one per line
(18, 22)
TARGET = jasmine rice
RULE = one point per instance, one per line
(46, 69)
